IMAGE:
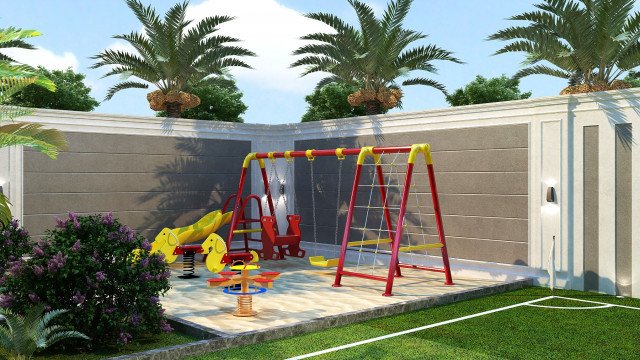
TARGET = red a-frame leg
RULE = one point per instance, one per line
(347, 226)
(441, 237)
(393, 264)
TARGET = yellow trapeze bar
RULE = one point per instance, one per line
(369, 242)
(420, 247)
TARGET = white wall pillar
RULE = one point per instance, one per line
(11, 178)
(550, 176)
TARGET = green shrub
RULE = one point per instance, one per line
(14, 242)
(101, 271)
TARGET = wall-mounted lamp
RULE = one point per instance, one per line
(551, 195)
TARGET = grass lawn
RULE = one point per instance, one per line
(149, 343)
(522, 332)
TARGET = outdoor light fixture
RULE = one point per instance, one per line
(551, 195)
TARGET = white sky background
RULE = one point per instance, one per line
(43, 57)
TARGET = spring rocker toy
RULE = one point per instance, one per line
(243, 285)
(174, 242)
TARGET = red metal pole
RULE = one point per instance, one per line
(385, 208)
(236, 207)
(441, 236)
(398, 234)
(347, 226)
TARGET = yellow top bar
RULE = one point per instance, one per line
(420, 148)
(249, 157)
(367, 151)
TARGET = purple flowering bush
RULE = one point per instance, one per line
(14, 242)
(101, 271)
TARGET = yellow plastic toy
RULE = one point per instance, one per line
(204, 229)
(215, 248)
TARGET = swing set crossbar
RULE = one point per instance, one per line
(329, 152)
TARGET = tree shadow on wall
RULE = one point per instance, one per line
(614, 110)
(189, 186)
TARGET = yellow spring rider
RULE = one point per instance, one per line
(173, 242)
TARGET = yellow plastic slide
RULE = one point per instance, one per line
(204, 228)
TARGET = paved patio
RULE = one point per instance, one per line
(302, 294)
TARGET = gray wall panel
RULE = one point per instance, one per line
(130, 163)
(149, 182)
(623, 211)
(591, 207)
(124, 182)
(482, 176)
(147, 145)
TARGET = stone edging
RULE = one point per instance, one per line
(215, 340)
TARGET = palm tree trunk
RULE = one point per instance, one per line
(373, 107)
(173, 110)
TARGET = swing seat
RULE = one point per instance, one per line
(320, 261)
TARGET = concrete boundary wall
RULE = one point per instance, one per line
(595, 247)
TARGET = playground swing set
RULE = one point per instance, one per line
(277, 246)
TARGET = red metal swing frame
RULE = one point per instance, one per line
(395, 235)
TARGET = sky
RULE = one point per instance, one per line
(75, 30)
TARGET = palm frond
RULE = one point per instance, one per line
(5, 218)
(48, 141)
(124, 85)
(13, 78)
(63, 335)
(24, 335)
(542, 70)
(425, 82)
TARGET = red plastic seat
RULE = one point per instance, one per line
(270, 273)
(217, 280)
(263, 280)
(227, 273)
(181, 249)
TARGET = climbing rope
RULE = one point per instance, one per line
(311, 158)
(335, 238)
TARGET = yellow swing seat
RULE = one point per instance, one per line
(320, 261)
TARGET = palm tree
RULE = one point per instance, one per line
(13, 78)
(173, 55)
(371, 57)
(24, 335)
(588, 42)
